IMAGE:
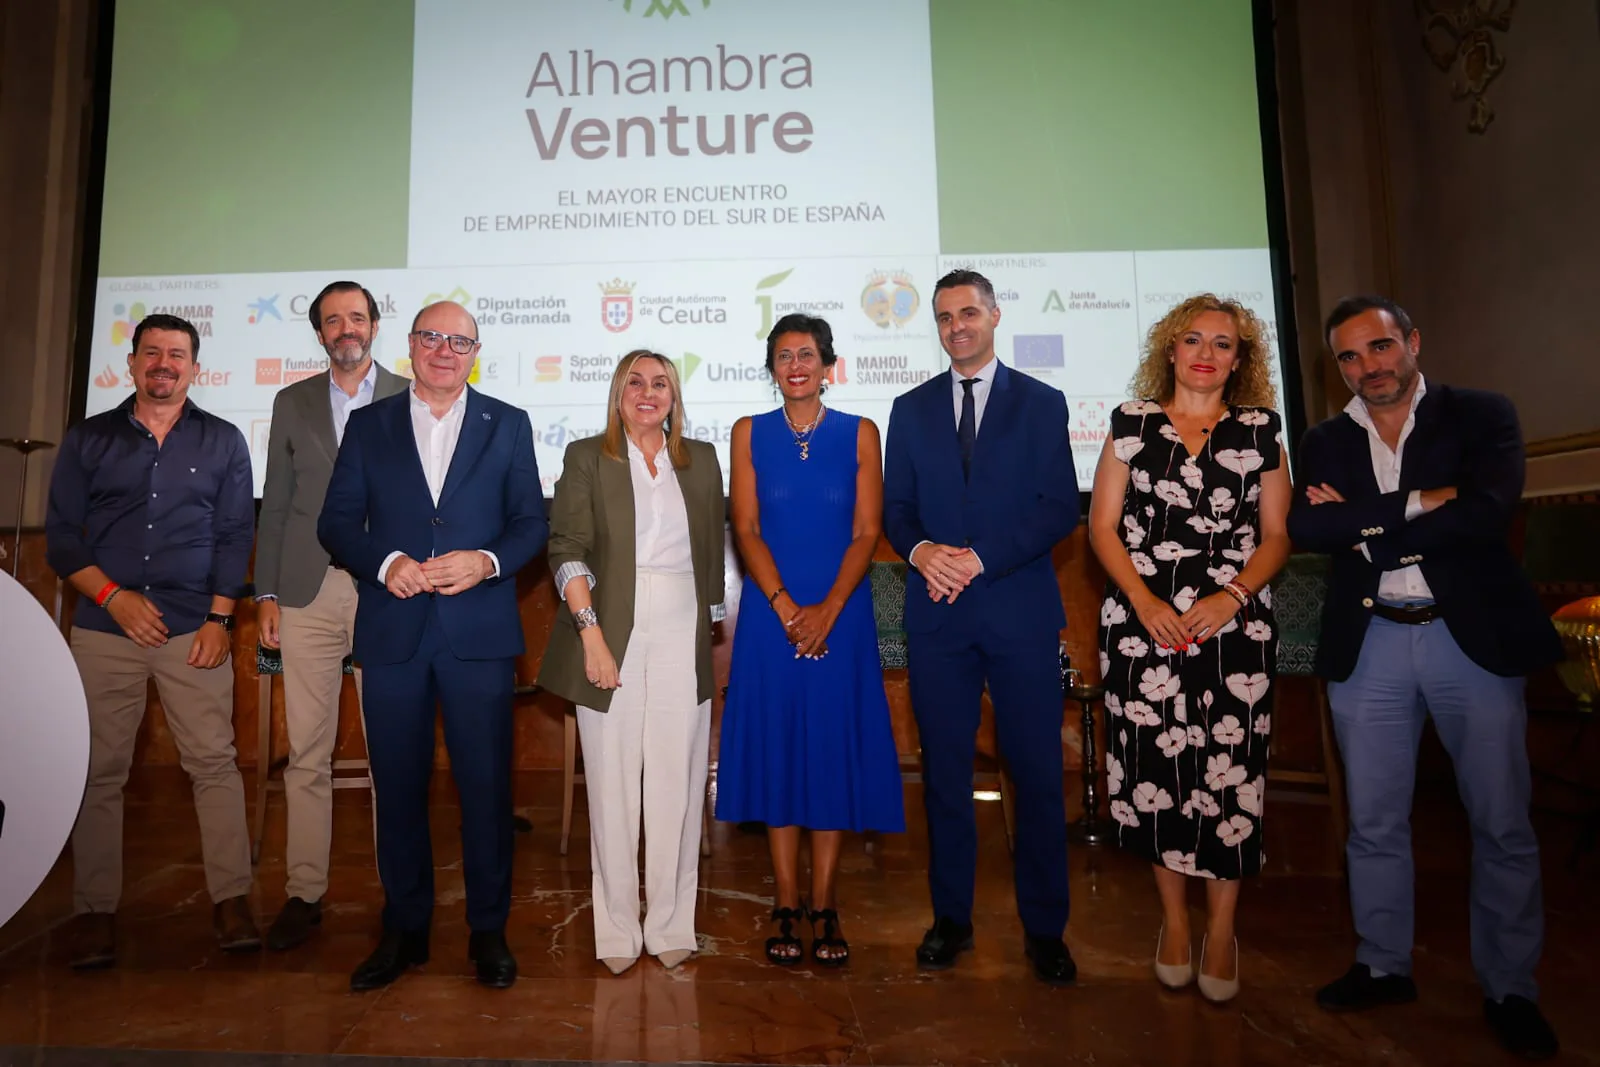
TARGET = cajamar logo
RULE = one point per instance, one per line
(665, 8)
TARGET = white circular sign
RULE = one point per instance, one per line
(44, 745)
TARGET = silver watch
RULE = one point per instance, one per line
(584, 618)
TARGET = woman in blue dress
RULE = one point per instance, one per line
(806, 740)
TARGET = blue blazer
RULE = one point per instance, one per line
(1462, 437)
(1021, 500)
(378, 502)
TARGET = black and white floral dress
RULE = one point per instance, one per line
(1188, 731)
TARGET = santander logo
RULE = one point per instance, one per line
(108, 378)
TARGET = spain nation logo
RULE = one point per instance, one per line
(616, 304)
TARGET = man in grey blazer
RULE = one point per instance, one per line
(307, 606)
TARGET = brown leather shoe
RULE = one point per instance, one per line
(236, 930)
(93, 938)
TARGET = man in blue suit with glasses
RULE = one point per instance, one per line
(434, 506)
(979, 487)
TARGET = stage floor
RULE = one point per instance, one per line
(172, 990)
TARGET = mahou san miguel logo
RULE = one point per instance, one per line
(616, 305)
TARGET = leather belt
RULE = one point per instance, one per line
(1417, 616)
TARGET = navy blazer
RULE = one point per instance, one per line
(378, 502)
(1463, 438)
(1020, 501)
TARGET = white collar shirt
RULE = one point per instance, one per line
(660, 519)
(343, 403)
(980, 392)
(436, 438)
(1405, 585)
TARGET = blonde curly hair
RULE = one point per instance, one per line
(1250, 384)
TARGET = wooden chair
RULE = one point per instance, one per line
(1298, 593)
(269, 665)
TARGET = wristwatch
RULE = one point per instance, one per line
(584, 618)
(224, 621)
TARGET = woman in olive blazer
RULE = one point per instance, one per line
(636, 543)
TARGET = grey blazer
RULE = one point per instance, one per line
(290, 561)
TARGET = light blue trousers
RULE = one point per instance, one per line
(1404, 673)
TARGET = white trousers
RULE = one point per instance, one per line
(649, 753)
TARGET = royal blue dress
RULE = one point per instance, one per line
(807, 742)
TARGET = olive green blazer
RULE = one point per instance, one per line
(592, 520)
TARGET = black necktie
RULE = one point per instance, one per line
(967, 428)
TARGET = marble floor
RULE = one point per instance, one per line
(174, 1000)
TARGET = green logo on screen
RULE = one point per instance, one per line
(687, 365)
(665, 8)
(764, 300)
(457, 295)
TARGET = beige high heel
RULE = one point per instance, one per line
(618, 964)
(1173, 975)
(1218, 990)
(671, 958)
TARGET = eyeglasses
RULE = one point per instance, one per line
(431, 339)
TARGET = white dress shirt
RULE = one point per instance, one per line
(1406, 584)
(660, 521)
(436, 447)
(343, 403)
(980, 392)
(980, 400)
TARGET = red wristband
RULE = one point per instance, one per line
(104, 594)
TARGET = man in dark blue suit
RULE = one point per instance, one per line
(1412, 491)
(979, 487)
(434, 506)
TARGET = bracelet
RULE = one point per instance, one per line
(106, 603)
(105, 594)
(776, 593)
(584, 618)
(1237, 591)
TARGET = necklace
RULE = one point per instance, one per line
(803, 434)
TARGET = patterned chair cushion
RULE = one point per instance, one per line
(270, 661)
(888, 581)
(1298, 593)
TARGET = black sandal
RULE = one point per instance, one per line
(786, 950)
(838, 949)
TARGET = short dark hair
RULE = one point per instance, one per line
(315, 314)
(168, 322)
(957, 278)
(814, 326)
(1351, 306)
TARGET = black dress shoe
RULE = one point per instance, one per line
(1358, 990)
(1517, 1022)
(395, 952)
(1052, 963)
(943, 942)
(293, 925)
(497, 968)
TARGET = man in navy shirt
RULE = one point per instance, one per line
(151, 518)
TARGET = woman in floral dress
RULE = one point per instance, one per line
(1191, 499)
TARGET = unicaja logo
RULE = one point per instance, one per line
(687, 365)
(616, 305)
(665, 8)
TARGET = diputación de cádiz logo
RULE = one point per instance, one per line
(665, 8)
